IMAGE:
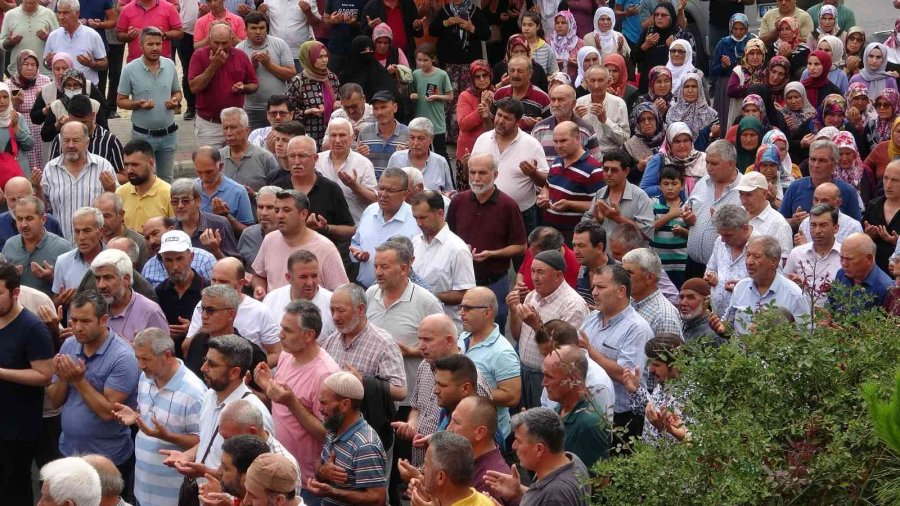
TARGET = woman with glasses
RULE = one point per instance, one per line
(473, 112)
(653, 47)
(854, 48)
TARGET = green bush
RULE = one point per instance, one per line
(777, 417)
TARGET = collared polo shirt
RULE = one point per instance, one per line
(140, 314)
(140, 83)
(215, 222)
(66, 192)
(279, 54)
(876, 287)
(113, 366)
(162, 15)
(155, 273)
(584, 433)
(568, 484)
(373, 230)
(747, 300)
(816, 271)
(272, 257)
(355, 164)
(50, 247)
(210, 438)
(702, 201)
(497, 361)
(218, 95)
(69, 270)
(564, 304)
(381, 150)
(233, 194)
(578, 182)
(435, 173)
(254, 169)
(800, 194)
(490, 461)
(446, 263)
(493, 225)
(157, 201)
(8, 226)
(84, 40)
(357, 451)
(510, 178)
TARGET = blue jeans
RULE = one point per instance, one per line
(163, 152)
(257, 117)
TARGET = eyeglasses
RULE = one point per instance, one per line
(882, 105)
(279, 113)
(183, 202)
(662, 14)
(392, 191)
(469, 308)
(212, 310)
(677, 51)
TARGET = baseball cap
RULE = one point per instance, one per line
(383, 96)
(175, 241)
(753, 181)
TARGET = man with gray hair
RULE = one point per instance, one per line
(112, 208)
(357, 110)
(129, 311)
(251, 238)
(16, 188)
(138, 281)
(562, 108)
(207, 231)
(798, 198)
(353, 172)
(447, 476)
(245, 163)
(645, 268)
(726, 264)
(77, 40)
(168, 425)
(605, 112)
(70, 267)
(112, 486)
(434, 167)
(70, 480)
(219, 194)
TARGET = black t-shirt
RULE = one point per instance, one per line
(24, 340)
(175, 306)
(720, 11)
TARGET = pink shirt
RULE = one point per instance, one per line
(305, 381)
(162, 15)
(201, 29)
(271, 260)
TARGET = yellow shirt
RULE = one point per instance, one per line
(140, 208)
(475, 499)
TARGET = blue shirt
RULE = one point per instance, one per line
(373, 230)
(747, 301)
(358, 451)
(8, 226)
(233, 194)
(381, 150)
(497, 361)
(113, 366)
(800, 194)
(436, 172)
(875, 288)
(69, 270)
(155, 273)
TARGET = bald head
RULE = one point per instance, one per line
(827, 193)
(229, 267)
(859, 242)
(19, 186)
(111, 482)
(439, 324)
(858, 256)
(568, 128)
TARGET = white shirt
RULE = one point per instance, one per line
(85, 40)
(209, 422)
(510, 178)
(612, 133)
(727, 269)
(289, 23)
(598, 383)
(747, 300)
(446, 263)
(277, 299)
(815, 270)
(253, 322)
(770, 222)
(846, 226)
(355, 164)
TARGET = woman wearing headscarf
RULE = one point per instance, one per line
(789, 170)
(15, 139)
(887, 108)
(749, 138)
(653, 47)
(834, 47)
(893, 45)
(566, 43)
(861, 116)
(474, 113)
(873, 70)
(729, 52)
(546, 10)
(660, 90)
(73, 83)
(851, 169)
(797, 110)
(752, 70)
(831, 113)
(854, 49)
(677, 151)
(604, 37)
(692, 109)
(828, 25)
(649, 134)
(312, 93)
(587, 57)
(386, 52)
(773, 116)
(768, 163)
(753, 105)
(885, 152)
(517, 45)
(789, 45)
(25, 85)
(681, 62)
(59, 65)
(778, 75)
(817, 84)
(363, 69)
(618, 80)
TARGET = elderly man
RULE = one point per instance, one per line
(562, 107)
(522, 164)
(814, 265)
(798, 198)
(546, 239)
(273, 62)
(575, 177)
(70, 480)
(441, 257)
(352, 171)
(101, 142)
(206, 230)
(353, 461)
(447, 475)
(829, 194)
(219, 194)
(303, 283)
(16, 188)
(145, 195)
(270, 478)
(251, 238)
(620, 203)
(95, 369)
(181, 291)
(435, 169)
(34, 248)
(559, 476)
(763, 218)
(244, 162)
(70, 267)
(726, 264)
(718, 188)
(83, 43)
(112, 209)
(381, 139)
(269, 268)
(18, 32)
(113, 488)
(551, 299)
(645, 268)
(139, 283)
(219, 76)
(476, 420)
(390, 216)
(168, 426)
(92, 176)
(360, 114)
(218, 306)
(129, 311)
(605, 112)
(764, 286)
(534, 101)
(693, 304)
(859, 269)
(768, 26)
(154, 271)
(615, 338)
(880, 213)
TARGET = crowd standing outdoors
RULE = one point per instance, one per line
(337, 312)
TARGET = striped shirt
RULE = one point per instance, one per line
(372, 352)
(66, 193)
(357, 451)
(564, 304)
(671, 248)
(543, 132)
(177, 407)
(102, 143)
(578, 182)
(536, 102)
(381, 149)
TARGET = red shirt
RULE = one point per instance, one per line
(395, 21)
(572, 268)
(162, 15)
(218, 95)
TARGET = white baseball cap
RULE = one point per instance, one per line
(175, 241)
(752, 181)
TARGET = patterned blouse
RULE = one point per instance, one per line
(304, 93)
(24, 110)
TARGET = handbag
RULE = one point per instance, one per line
(9, 162)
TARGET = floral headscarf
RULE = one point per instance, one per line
(827, 133)
(829, 9)
(754, 99)
(679, 72)
(767, 153)
(655, 140)
(516, 40)
(858, 89)
(76, 75)
(876, 79)
(582, 55)
(832, 104)
(882, 127)
(617, 89)
(755, 75)
(696, 115)
(893, 44)
(778, 89)
(853, 174)
(479, 66)
(893, 150)
(653, 75)
(693, 167)
(837, 50)
(795, 29)
(563, 45)
(787, 166)
(308, 55)
(807, 112)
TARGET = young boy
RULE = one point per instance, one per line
(670, 239)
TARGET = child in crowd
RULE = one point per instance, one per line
(670, 239)
(433, 92)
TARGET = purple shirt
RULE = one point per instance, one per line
(490, 461)
(140, 314)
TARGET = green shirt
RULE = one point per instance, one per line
(439, 83)
(50, 247)
(587, 435)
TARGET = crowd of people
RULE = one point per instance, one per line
(337, 311)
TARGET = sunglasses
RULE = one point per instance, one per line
(677, 51)
(882, 105)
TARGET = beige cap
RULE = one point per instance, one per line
(274, 473)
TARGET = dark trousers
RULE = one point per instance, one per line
(634, 427)
(185, 48)
(116, 56)
(15, 472)
(402, 450)
(531, 387)
(127, 470)
(47, 447)
(530, 217)
(693, 269)
(439, 146)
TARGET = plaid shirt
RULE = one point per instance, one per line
(659, 313)
(563, 304)
(702, 202)
(372, 352)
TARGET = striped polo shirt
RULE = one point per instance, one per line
(358, 451)
(578, 182)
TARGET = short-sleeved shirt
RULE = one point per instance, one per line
(155, 273)
(249, 243)
(253, 322)
(543, 132)
(372, 352)
(359, 453)
(569, 484)
(635, 204)
(69, 270)
(204, 22)
(305, 381)
(140, 83)
(48, 249)
(497, 361)
(66, 193)
(727, 268)
(536, 102)
(177, 405)
(584, 433)
(435, 173)
(510, 179)
(373, 230)
(218, 95)
(19, 22)
(23, 340)
(446, 263)
(162, 15)
(435, 83)
(271, 260)
(846, 226)
(112, 366)
(102, 143)
(85, 40)
(233, 194)
(875, 288)
(578, 182)
(381, 150)
(255, 168)
(140, 314)
(210, 437)
(291, 24)
(817, 272)
(770, 222)
(355, 164)
(276, 300)
(662, 316)
(269, 84)
(769, 22)
(493, 225)
(800, 194)
(157, 201)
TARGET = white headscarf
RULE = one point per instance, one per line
(608, 42)
(679, 72)
(837, 50)
(582, 54)
(6, 114)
